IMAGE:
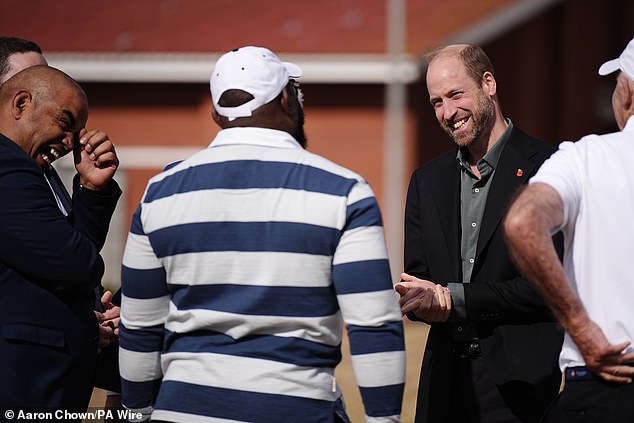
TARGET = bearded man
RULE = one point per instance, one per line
(491, 353)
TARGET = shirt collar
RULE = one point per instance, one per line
(263, 137)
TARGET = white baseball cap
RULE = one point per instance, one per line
(624, 63)
(256, 70)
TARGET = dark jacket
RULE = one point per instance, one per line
(49, 267)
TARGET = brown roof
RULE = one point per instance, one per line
(307, 26)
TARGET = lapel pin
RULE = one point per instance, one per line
(520, 172)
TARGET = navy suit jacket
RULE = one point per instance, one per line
(107, 366)
(49, 267)
(519, 339)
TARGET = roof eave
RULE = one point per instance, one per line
(196, 67)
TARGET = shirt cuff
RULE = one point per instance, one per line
(459, 309)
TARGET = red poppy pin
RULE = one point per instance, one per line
(519, 173)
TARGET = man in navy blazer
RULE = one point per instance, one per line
(491, 352)
(17, 54)
(49, 264)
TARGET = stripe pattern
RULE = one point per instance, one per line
(241, 267)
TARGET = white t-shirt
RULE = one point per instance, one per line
(595, 179)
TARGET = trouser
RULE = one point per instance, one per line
(591, 399)
(477, 399)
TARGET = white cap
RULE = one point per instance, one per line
(625, 62)
(256, 70)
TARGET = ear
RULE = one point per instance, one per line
(286, 102)
(488, 84)
(628, 100)
(215, 116)
(21, 101)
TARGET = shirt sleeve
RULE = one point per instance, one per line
(362, 281)
(34, 231)
(562, 171)
(144, 307)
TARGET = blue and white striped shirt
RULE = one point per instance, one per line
(240, 265)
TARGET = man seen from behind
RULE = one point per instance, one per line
(243, 260)
(586, 190)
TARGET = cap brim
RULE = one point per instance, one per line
(294, 71)
(609, 67)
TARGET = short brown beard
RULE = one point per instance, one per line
(481, 120)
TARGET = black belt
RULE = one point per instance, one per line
(467, 349)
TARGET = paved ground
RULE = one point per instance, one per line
(415, 337)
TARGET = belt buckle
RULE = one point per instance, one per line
(467, 349)
(474, 348)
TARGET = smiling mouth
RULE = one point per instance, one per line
(458, 124)
(50, 155)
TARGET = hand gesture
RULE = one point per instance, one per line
(605, 359)
(430, 302)
(108, 321)
(95, 159)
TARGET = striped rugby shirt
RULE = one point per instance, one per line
(241, 266)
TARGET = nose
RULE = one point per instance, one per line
(69, 141)
(448, 110)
